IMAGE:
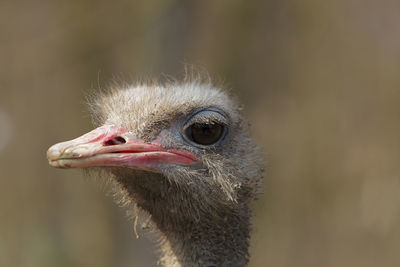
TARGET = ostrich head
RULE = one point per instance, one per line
(183, 154)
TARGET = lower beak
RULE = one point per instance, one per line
(110, 145)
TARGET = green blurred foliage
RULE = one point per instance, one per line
(319, 81)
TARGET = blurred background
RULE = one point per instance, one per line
(319, 80)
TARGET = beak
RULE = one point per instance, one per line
(110, 145)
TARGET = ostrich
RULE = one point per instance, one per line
(180, 152)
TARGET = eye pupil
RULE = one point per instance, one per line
(205, 133)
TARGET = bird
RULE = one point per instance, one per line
(180, 152)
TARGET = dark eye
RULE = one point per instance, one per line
(204, 133)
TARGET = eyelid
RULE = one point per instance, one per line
(206, 117)
(206, 120)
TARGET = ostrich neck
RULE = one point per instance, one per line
(191, 233)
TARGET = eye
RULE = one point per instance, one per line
(205, 133)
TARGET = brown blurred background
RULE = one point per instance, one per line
(320, 81)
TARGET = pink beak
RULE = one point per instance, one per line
(110, 145)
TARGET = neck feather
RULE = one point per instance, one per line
(191, 233)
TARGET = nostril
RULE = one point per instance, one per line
(115, 141)
(120, 139)
(109, 142)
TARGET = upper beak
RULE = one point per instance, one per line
(110, 145)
